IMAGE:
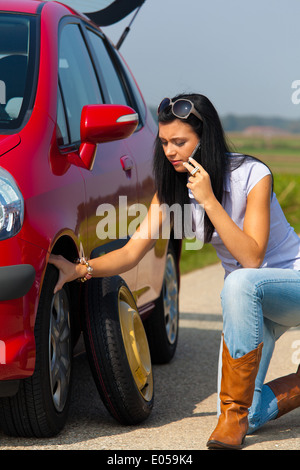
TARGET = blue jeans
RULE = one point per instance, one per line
(259, 305)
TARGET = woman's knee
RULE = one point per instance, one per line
(238, 284)
(240, 298)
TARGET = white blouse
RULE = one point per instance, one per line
(283, 250)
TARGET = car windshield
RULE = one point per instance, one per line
(17, 41)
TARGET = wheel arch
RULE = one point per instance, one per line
(66, 246)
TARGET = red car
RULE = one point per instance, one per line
(75, 136)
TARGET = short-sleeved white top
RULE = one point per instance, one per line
(283, 250)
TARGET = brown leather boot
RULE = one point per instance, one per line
(237, 389)
(287, 391)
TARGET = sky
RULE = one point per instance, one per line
(243, 55)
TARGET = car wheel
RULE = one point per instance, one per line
(162, 324)
(118, 351)
(40, 407)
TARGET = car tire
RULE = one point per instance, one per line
(118, 351)
(162, 325)
(40, 407)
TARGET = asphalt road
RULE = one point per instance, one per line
(184, 413)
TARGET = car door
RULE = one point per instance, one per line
(140, 147)
(111, 185)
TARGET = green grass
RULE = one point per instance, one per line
(287, 189)
(281, 154)
(196, 259)
(283, 157)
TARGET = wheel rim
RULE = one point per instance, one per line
(60, 353)
(170, 296)
(136, 345)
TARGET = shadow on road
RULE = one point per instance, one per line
(184, 410)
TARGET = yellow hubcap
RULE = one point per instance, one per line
(136, 344)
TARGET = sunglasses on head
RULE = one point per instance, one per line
(181, 108)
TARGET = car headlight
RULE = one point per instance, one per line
(11, 206)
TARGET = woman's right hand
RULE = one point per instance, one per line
(67, 271)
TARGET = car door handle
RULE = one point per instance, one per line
(126, 162)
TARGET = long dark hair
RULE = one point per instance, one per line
(171, 185)
(213, 156)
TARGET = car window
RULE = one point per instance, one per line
(17, 53)
(62, 127)
(77, 77)
(138, 102)
(114, 87)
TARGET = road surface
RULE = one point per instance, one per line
(184, 413)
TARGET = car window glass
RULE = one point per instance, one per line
(138, 104)
(16, 74)
(113, 84)
(61, 128)
(77, 77)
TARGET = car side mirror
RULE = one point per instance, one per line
(103, 123)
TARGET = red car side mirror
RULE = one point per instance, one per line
(104, 123)
(107, 122)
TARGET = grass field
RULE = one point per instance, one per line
(282, 155)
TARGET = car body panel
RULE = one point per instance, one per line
(61, 199)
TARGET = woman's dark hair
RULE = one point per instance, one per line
(171, 185)
(213, 156)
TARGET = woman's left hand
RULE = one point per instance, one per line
(67, 270)
(199, 183)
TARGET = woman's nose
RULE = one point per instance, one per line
(170, 150)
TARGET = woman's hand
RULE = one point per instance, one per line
(200, 184)
(67, 271)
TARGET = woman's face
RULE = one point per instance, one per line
(178, 139)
